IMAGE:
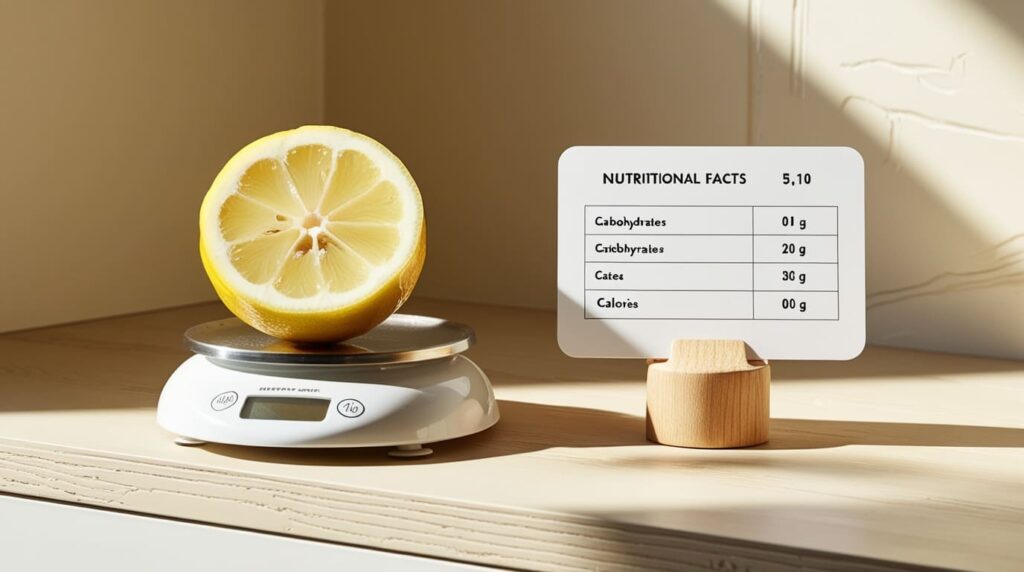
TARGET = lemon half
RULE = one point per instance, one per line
(314, 234)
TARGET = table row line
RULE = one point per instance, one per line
(648, 305)
(705, 248)
(724, 220)
(696, 276)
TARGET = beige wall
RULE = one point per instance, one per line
(480, 98)
(116, 115)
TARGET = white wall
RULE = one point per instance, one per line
(932, 94)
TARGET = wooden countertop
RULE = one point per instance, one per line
(896, 457)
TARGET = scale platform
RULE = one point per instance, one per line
(403, 384)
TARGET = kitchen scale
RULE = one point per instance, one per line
(403, 384)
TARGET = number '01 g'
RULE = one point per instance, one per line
(792, 221)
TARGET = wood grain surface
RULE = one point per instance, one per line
(897, 458)
(707, 395)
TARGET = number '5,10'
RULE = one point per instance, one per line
(796, 179)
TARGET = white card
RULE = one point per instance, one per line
(760, 244)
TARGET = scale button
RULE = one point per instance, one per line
(224, 400)
(351, 408)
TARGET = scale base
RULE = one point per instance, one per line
(404, 405)
(403, 384)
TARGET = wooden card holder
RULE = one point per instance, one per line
(707, 395)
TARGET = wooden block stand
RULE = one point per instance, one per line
(707, 395)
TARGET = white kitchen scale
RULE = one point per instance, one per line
(403, 384)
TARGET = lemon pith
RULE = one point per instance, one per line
(313, 235)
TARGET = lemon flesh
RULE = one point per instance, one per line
(313, 235)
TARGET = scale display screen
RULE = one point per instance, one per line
(285, 408)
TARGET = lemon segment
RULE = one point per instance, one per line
(314, 234)
(381, 204)
(263, 181)
(342, 267)
(309, 167)
(374, 243)
(354, 175)
(259, 259)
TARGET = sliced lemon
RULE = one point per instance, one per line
(314, 234)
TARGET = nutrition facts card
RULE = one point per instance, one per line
(761, 244)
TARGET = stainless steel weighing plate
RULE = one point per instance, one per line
(402, 338)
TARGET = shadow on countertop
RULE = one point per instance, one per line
(529, 427)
